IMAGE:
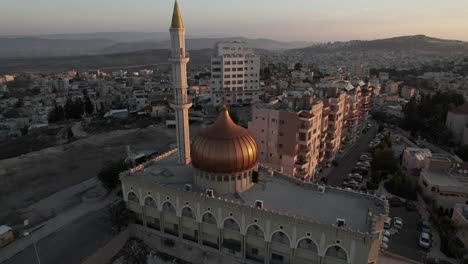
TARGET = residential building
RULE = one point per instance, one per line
(445, 181)
(216, 198)
(407, 92)
(288, 134)
(457, 122)
(415, 159)
(460, 217)
(235, 73)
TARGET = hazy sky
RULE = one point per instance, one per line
(315, 20)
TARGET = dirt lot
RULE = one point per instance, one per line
(26, 179)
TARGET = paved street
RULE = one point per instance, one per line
(72, 243)
(405, 242)
(348, 161)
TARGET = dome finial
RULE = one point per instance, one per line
(177, 17)
(225, 105)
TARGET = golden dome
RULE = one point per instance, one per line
(224, 147)
(177, 17)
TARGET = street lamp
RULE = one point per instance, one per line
(26, 233)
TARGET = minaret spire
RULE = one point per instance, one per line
(181, 104)
(177, 21)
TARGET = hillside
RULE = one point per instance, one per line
(416, 43)
(110, 43)
(89, 62)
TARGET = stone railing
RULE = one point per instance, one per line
(148, 163)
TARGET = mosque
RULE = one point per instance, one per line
(212, 194)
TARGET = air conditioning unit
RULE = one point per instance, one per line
(188, 187)
(321, 189)
(209, 193)
(340, 222)
(259, 203)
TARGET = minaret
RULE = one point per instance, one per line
(181, 103)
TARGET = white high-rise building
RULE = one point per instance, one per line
(235, 73)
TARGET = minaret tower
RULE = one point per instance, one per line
(181, 103)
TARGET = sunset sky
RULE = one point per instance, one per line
(312, 20)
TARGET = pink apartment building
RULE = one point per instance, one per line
(298, 134)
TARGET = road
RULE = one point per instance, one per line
(405, 242)
(72, 243)
(348, 161)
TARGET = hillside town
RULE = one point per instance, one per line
(326, 154)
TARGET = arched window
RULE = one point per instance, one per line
(150, 202)
(231, 224)
(336, 252)
(188, 212)
(133, 198)
(307, 244)
(255, 230)
(168, 207)
(280, 237)
(209, 218)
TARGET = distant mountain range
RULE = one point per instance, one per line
(416, 43)
(32, 54)
(117, 42)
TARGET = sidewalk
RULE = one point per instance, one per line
(53, 225)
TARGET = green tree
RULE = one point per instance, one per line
(136, 252)
(109, 175)
(24, 130)
(402, 185)
(384, 160)
(89, 107)
(298, 66)
(57, 114)
(119, 216)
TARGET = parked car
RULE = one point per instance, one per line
(395, 202)
(328, 165)
(384, 245)
(398, 223)
(388, 223)
(386, 233)
(385, 239)
(410, 205)
(425, 227)
(425, 240)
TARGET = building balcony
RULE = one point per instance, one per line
(303, 151)
(302, 175)
(301, 165)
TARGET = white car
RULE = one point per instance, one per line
(398, 222)
(384, 245)
(388, 223)
(363, 164)
(425, 240)
(385, 240)
(386, 233)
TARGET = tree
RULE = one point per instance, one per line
(402, 185)
(74, 109)
(384, 160)
(24, 130)
(89, 107)
(57, 114)
(298, 66)
(119, 216)
(136, 252)
(109, 175)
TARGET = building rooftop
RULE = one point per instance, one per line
(281, 194)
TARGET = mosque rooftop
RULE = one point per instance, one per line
(279, 193)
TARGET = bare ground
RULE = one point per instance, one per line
(26, 179)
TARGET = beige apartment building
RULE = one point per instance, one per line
(298, 132)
